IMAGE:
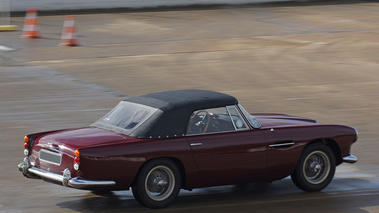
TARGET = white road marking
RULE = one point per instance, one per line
(4, 48)
(295, 99)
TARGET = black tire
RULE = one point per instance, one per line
(315, 169)
(158, 184)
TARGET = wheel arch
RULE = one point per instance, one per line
(332, 144)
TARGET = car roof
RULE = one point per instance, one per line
(191, 99)
(175, 109)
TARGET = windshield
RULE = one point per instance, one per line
(125, 117)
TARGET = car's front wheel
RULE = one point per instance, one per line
(315, 169)
(158, 184)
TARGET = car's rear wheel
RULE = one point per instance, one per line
(158, 184)
(315, 169)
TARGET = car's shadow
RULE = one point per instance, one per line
(233, 198)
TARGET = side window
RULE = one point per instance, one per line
(210, 121)
(238, 121)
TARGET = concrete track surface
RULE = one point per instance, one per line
(317, 60)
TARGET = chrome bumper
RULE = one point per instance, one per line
(66, 180)
(350, 159)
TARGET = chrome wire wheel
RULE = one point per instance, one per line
(160, 183)
(316, 167)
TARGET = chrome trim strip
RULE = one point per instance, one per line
(46, 174)
(196, 144)
(54, 148)
(282, 144)
(231, 119)
(65, 178)
(81, 183)
(350, 159)
(211, 133)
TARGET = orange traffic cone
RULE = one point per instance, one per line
(31, 24)
(69, 32)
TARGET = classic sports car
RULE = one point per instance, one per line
(159, 143)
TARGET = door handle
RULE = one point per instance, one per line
(196, 144)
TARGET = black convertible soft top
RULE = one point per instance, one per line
(175, 108)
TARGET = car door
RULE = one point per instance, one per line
(284, 149)
(230, 153)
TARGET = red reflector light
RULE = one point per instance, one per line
(26, 145)
(26, 139)
(76, 160)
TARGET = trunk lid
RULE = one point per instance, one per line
(78, 138)
(54, 151)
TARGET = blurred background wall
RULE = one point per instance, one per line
(22, 5)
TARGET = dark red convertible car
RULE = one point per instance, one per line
(159, 143)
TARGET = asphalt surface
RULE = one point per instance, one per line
(317, 60)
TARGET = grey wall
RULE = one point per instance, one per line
(22, 5)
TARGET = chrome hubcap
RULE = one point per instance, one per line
(316, 167)
(159, 183)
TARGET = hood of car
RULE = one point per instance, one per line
(271, 120)
(79, 138)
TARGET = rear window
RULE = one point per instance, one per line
(125, 117)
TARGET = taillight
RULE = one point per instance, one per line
(76, 160)
(26, 145)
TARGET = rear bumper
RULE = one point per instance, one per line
(350, 159)
(66, 179)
